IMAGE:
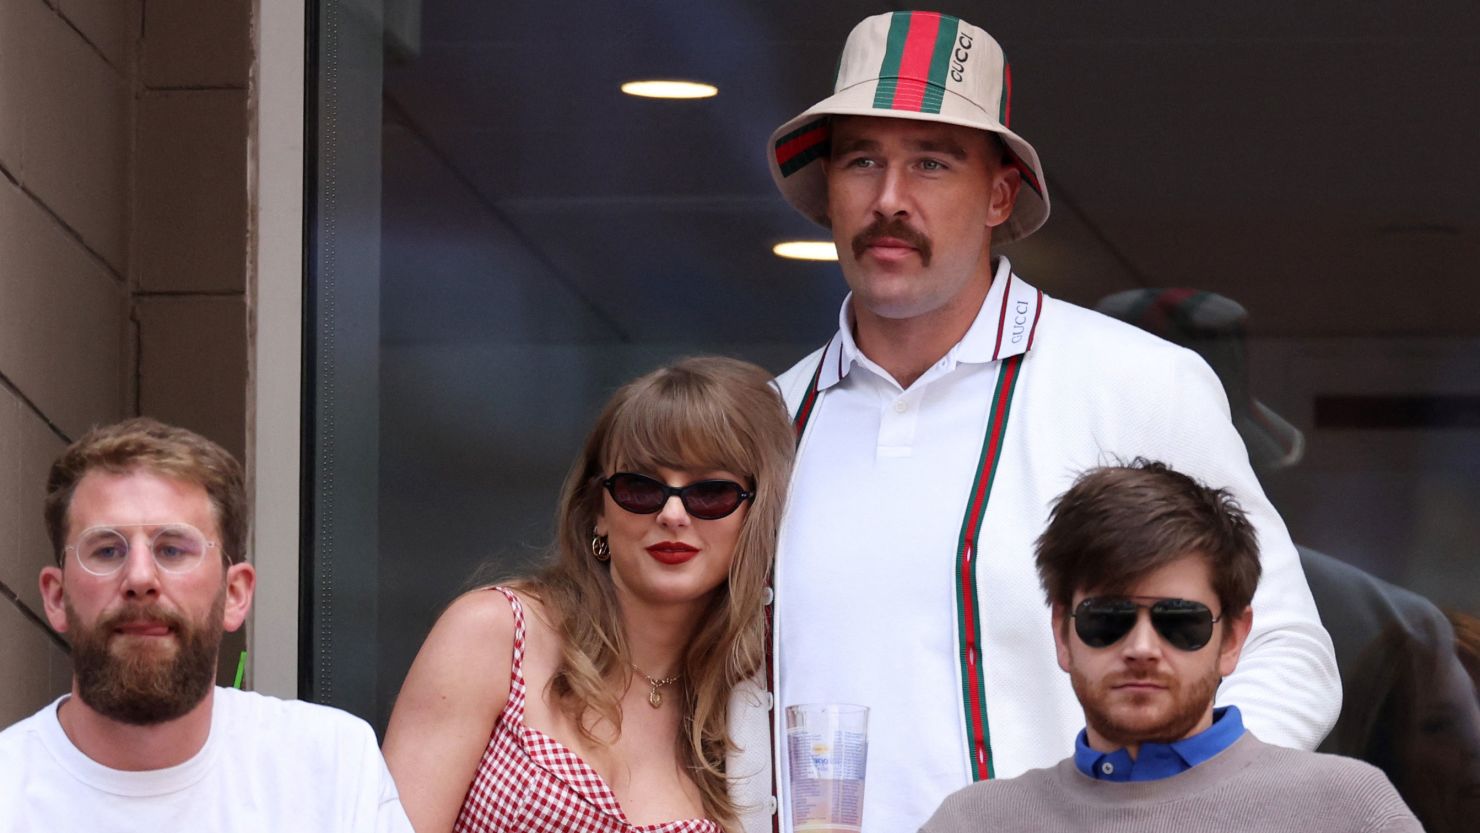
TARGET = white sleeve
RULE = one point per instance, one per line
(1286, 684)
(377, 803)
(390, 816)
(749, 762)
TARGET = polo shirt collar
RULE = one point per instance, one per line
(1004, 327)
(1160, 760)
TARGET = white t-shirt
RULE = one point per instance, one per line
(268, 765)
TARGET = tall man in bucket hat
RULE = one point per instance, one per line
(937, 424)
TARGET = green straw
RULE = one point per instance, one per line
(241, 670)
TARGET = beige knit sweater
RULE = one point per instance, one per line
(1250, 786)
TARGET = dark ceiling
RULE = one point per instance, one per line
(1317, 161)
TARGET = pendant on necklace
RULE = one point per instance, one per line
(655, 697)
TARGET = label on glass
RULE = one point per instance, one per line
(827, 769)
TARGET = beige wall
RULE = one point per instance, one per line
(122, 258)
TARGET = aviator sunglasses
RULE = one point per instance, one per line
(707, 500)
(1103, 621)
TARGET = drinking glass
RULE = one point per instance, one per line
(828, 750)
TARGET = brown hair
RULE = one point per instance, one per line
(149, 445)
(700, 413)
(1117, 524)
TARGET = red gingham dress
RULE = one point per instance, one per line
(528, 782)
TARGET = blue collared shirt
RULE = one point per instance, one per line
(1160, 760)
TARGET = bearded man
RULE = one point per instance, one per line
(1150, 575)
(149, 528)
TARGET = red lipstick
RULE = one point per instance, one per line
(672, 552)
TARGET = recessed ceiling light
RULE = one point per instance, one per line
(670, 89)
(806, 250)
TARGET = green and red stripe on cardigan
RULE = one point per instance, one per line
(968, 603)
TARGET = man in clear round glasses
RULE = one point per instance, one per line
(149, 526)
(1149, 575)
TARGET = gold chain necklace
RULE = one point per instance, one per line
(655, 697)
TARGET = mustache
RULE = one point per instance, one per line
(152, 612)
(896, 228)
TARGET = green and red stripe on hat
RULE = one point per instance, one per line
(917, 60)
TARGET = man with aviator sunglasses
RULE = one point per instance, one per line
(1150, 575)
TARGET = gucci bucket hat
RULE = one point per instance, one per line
(912, 65)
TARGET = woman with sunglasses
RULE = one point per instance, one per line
(593, 696)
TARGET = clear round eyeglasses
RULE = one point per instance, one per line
(176, 547)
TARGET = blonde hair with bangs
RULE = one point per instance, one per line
(699, 413)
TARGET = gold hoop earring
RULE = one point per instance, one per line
(600, 548)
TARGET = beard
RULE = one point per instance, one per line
(1120, 719)
(142, 685)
